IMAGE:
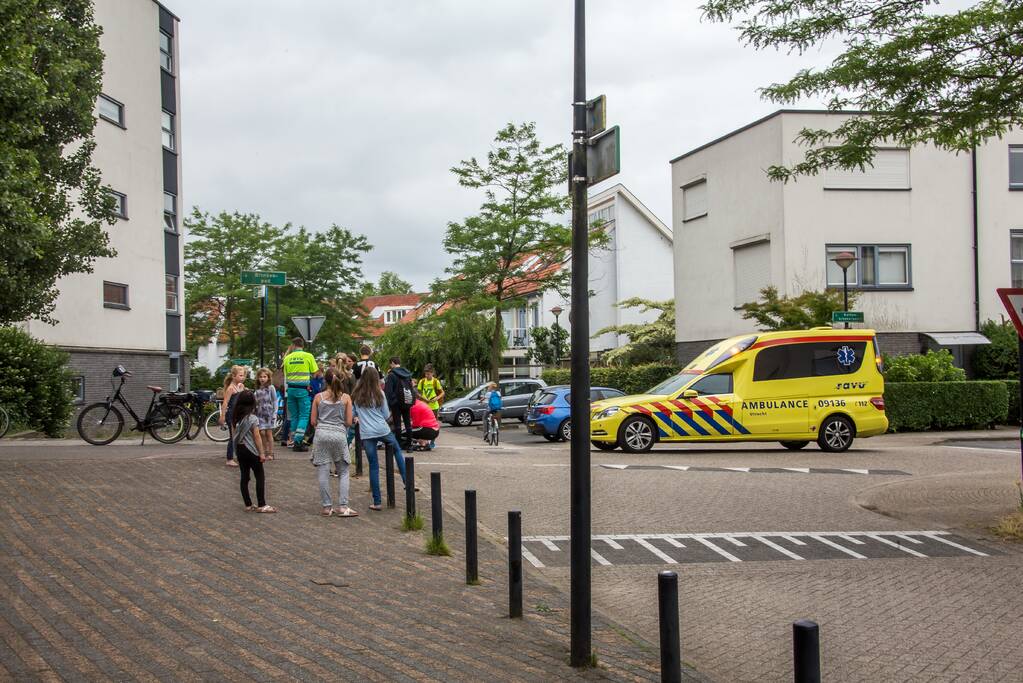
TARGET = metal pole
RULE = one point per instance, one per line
(667, 608)
(410, 486)
(277, 323)
(358, 452)
(389, 470)
(806, 652)
(472, 566)
(515, 564)
(262, 325)
(845, 292)
(436, 511)
(580, 323)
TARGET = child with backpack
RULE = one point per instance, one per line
(400, 397)
(432, 393)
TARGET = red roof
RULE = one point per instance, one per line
(376, 327)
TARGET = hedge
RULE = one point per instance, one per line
(35, 383)
(635, 379)
(1012, 385)
(916, 406)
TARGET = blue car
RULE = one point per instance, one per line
(549, 410)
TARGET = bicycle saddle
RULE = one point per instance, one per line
(155, 390)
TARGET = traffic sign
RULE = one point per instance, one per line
(259, 292)
(847, 316)
(1012, 299)
(281, 330)
(308, 325)
(241, 361)
(603, 156)
(274, 278)
(596, 115)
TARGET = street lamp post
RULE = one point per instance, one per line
(557, 311)
(845, 260)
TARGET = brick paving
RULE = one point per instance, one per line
(140, 564)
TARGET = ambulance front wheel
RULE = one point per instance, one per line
(636, 435)
(836, 434)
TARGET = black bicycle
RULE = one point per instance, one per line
(100, 423)
(199, 404)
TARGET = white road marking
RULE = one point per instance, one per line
(894, 545)
(793, 540)
(599, 558)
(737, 469)
(672, 542)
(784, 551)
(832, 544)
(681, 468)
(723, 553)
(734, 541)
(848, 469)
(937, 536)
(532, 558)
(908, 539)
(615, 467)
(850, 539)
(803, 470)
(613, 543)
(550, 545)
(1014, 451)
(646, 544)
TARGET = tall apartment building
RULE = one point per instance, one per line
(935, 234)
(128, 311)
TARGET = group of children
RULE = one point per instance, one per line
(349, 404)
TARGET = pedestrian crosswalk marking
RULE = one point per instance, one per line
(755, 470)
(682, 548)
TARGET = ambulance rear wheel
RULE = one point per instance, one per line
(794, 445)
(637, 435)
(836, 434)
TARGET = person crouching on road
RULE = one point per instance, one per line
(299, 368)
(266, 409)
(234, 383)
(331, 415)
(249, 449)
(425, 425)
(372, 411)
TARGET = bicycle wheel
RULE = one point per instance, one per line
(99, 424)
(214, 432)
(169, 423)
(5, 422)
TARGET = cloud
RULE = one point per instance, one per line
(353, 112)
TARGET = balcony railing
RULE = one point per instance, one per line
(517, 337)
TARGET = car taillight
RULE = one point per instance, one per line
(545, 410)
(878, 402)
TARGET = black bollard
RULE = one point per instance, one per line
(358, 452)
(436, 512)
(667, 608)
(410, 486)
(389, 468)
(806, 651)
(472, 566)
(515, 564)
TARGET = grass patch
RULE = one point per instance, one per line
(413, 523)
(543, 608)
(435, 545)
(1010, 527)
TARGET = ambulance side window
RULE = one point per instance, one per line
(714, 384)
(785, 361)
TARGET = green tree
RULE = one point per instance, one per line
(512, 242)
(218, 249)
(652, 342)
(35, 382)
(950, 78)
(802, 311)
(548, 345)
(389, 283)
(52, 202)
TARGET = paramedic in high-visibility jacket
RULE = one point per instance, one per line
(299, 368)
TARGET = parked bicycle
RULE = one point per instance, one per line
(5, 422)
(198, 404)
(100, 423)
(214, 432)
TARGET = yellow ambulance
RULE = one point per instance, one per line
(822, 385)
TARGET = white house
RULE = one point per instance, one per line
(128, 311)
(935, 234)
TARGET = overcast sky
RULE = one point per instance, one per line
(352, 112)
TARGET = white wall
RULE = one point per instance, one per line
(645, 264)
(130, 161)
(1001, 210)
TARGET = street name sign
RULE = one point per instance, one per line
(274, 278)
(308, 325)
(847, 316)
(1012, 299)
(241, 361)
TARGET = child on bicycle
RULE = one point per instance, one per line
(266, 408)
(494, 406)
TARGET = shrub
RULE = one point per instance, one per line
(916, 406)
(635, 379)
(1012, 386)
(35, 382)
(1000, 358)
(930, 367)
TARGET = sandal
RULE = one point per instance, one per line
(346, 512)
(376, 508)
(266, 508)
(232, 463)
(250, 508)
(327, 512)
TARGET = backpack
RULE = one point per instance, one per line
(406, 397)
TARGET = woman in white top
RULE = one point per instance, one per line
(331, 415)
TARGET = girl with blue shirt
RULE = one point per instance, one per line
(372, 413)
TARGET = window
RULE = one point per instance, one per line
(111, 110)
(714, 385)
(694, 200)
(890, 171)
(602, 216)
(120, 203)
(879, 266)
(1016, 257)
(174, 373)
(519, 389)
(393, 316)
(170, 212)
(1016, 167)
(752, 270)
(172, 293)
(167, 123)
(818, 359)
(78, 387)
(115, 295)
(166, 53)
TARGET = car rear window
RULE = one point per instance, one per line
(546, 399)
